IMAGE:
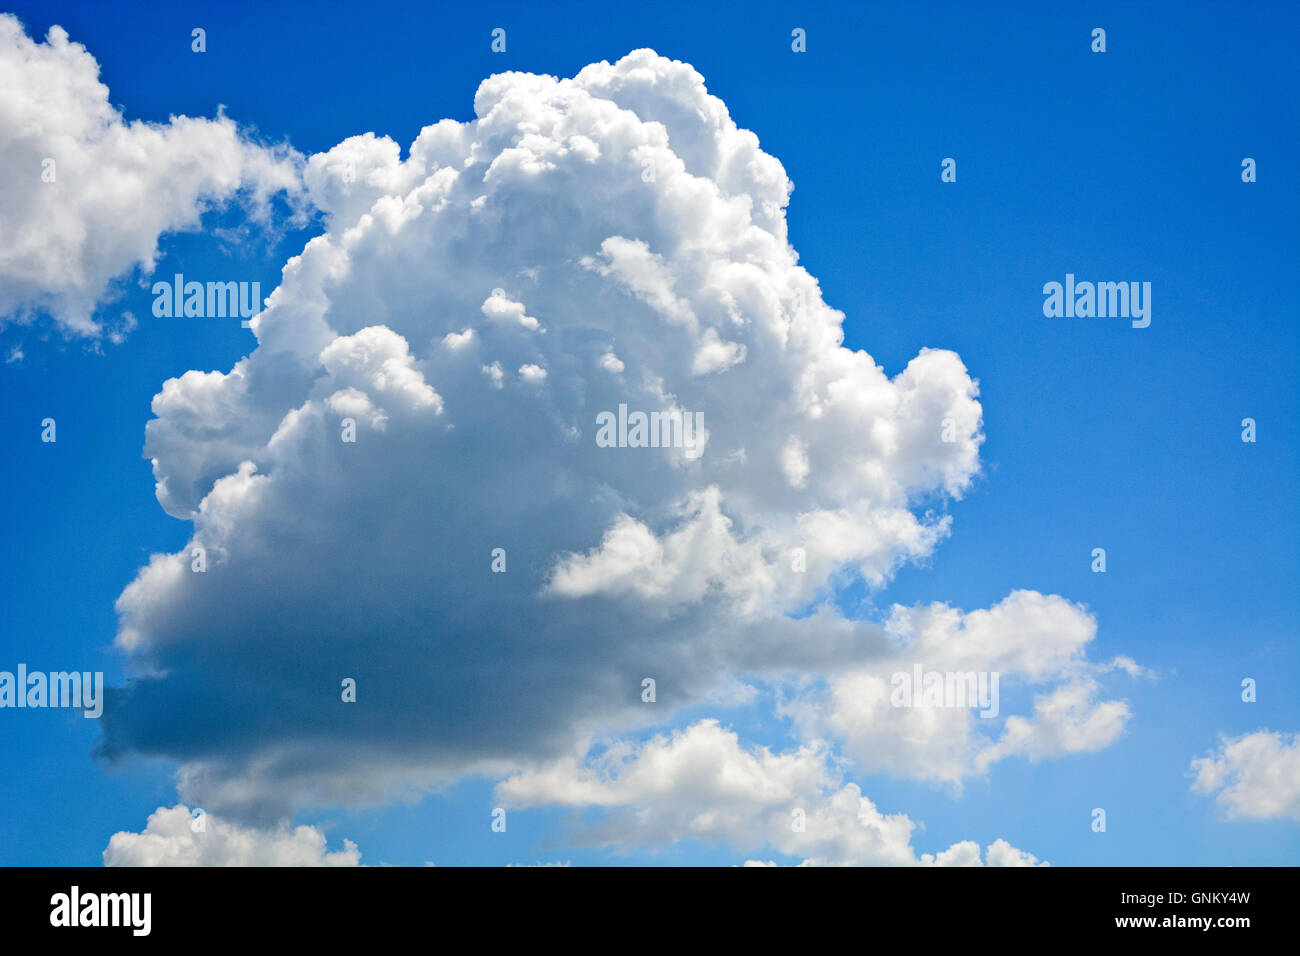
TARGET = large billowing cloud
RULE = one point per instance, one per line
(472, 312)
(85, 196)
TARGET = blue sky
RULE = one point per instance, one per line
(1116, 166)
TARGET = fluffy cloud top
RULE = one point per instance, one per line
(173, 837)
(85, 196)
(1254, 776)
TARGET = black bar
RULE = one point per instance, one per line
(619, 906)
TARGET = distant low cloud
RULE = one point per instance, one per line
(702, 784)
(1255, 776)
(175, 837)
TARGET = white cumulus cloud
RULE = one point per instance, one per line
(1254, 776)
(1028, 639)
(174, 836)
(472, 309)
(85, 196)
(701, 783)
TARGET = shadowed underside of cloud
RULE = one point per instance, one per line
(583, 244)
(85, 196)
